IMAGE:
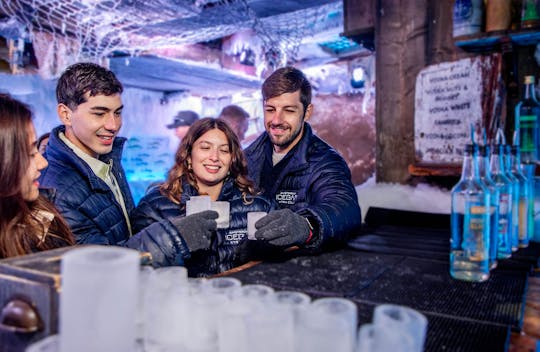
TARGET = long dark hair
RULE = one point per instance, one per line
(22, 230)
(172, 187)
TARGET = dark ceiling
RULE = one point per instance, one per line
(145, 41)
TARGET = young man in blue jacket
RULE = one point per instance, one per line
(307, 178)
(86, 176)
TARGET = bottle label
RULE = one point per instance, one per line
(527, 118)
(474, 244)
(530, 10)
(523, 217)
(527, 132)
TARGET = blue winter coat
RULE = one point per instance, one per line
(313, 180)
(85, 200)
(154, 211)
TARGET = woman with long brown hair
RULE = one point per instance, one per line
(209, 161)
(28, 221)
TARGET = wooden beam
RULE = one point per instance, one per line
(400, 41)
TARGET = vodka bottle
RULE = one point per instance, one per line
(515, 197)
(494, 197)
(529, 172)
(526, 117)
(496, 166)
(523, 198)
(469, 252)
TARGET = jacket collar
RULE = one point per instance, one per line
(59, 151)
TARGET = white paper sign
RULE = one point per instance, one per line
(448, 99)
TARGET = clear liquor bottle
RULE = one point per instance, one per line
(529, 171)
(527, 112)
(496, 165)
(523, 198)
(494, 197)
(515, 197)
(469, 252)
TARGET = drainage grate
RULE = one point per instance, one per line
(426, 285)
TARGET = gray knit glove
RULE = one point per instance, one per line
(282, 228)
(197, 229)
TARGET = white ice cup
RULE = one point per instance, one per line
(365, 338)
(98, 300)
(297, 301)
(379, 338)
(202, 330)
(328, 324)
(223, 209)
(166, 308)
(255, 294)
(232, 330)
(252, 218)
(270, 328)
(294, 303)
(144, 278)
(227, 286)
(391, 319)
(197, 204)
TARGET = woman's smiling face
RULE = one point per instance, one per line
(30, 186)
(211, 159)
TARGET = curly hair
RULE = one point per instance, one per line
(181, 172)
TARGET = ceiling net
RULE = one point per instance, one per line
(63, 32)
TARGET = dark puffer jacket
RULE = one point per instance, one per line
(154, 211)
(312, 180)
(85, 201)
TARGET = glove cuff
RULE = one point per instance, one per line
(310, 236)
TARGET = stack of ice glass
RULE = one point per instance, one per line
(222, 315)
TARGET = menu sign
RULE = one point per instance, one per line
(448, 100)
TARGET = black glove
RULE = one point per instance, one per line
(282, 228)
(197, 229)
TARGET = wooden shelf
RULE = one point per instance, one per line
(493, 41)
(432, 169)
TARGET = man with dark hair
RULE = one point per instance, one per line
(182, 121)
(84, 155)
(307, 178)
(237, 118)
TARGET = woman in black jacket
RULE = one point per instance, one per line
(210, 162)
(28, 222)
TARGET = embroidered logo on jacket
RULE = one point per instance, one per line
(235, 236)
(286, 197)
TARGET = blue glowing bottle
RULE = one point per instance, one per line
(506, 154)
(494, 197)
(527, 112)
(469, 245)
(504, 248)
(523, 198)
